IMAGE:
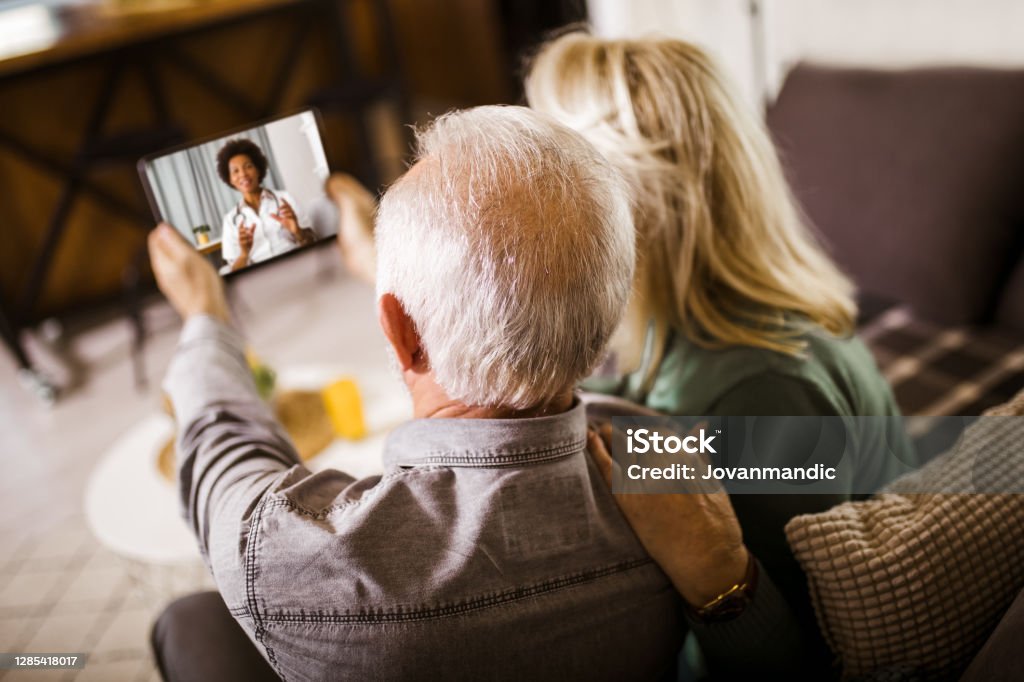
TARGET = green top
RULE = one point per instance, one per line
(834, 376)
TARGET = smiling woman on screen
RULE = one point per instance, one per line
(265, 222)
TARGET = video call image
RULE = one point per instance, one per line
(248, 197)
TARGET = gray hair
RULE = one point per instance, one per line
(511, 247)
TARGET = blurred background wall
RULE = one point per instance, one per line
(875, 33)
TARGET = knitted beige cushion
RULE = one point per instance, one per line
(921, 579)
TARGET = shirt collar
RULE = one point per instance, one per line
(264, 196)
(487, 442)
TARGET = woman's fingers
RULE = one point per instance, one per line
(599, 453)
(245, 237)
(694, 536)
(285, 215)
(607, 433)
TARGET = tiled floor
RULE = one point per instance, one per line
(63, 592)
(60, 589)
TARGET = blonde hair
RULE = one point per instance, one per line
(725, 256)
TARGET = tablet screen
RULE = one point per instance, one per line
(248, 197)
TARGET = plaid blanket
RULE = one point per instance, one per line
(937, 370)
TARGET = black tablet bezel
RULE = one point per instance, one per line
(140, 167)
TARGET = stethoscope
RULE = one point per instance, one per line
(238, 219)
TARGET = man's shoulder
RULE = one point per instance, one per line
(434, 534)
(431, 553)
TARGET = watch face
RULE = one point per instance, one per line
(729, 608)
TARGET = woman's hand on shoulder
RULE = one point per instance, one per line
(694, 537)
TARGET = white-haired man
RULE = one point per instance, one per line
(489, 547)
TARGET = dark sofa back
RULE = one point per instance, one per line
(916, 180)
(1011, 305)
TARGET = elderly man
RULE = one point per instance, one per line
(489, 547)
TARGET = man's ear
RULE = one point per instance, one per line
(401, 333)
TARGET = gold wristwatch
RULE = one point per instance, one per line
(731, 603)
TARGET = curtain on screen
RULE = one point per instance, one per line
(189, 192)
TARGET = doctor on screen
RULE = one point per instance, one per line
(265, 222)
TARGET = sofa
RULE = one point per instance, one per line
(915, 181)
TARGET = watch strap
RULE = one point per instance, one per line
(731, 603)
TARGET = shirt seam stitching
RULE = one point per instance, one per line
(506, 458)
(260, 629)
(477, 604)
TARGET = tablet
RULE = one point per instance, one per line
(246, 197)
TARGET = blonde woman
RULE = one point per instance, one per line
(731, 283)
(737, 310)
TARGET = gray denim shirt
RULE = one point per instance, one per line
(488, 549)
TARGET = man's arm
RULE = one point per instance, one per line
(231, 449)
(230, 446)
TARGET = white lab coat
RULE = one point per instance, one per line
(270, 237)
